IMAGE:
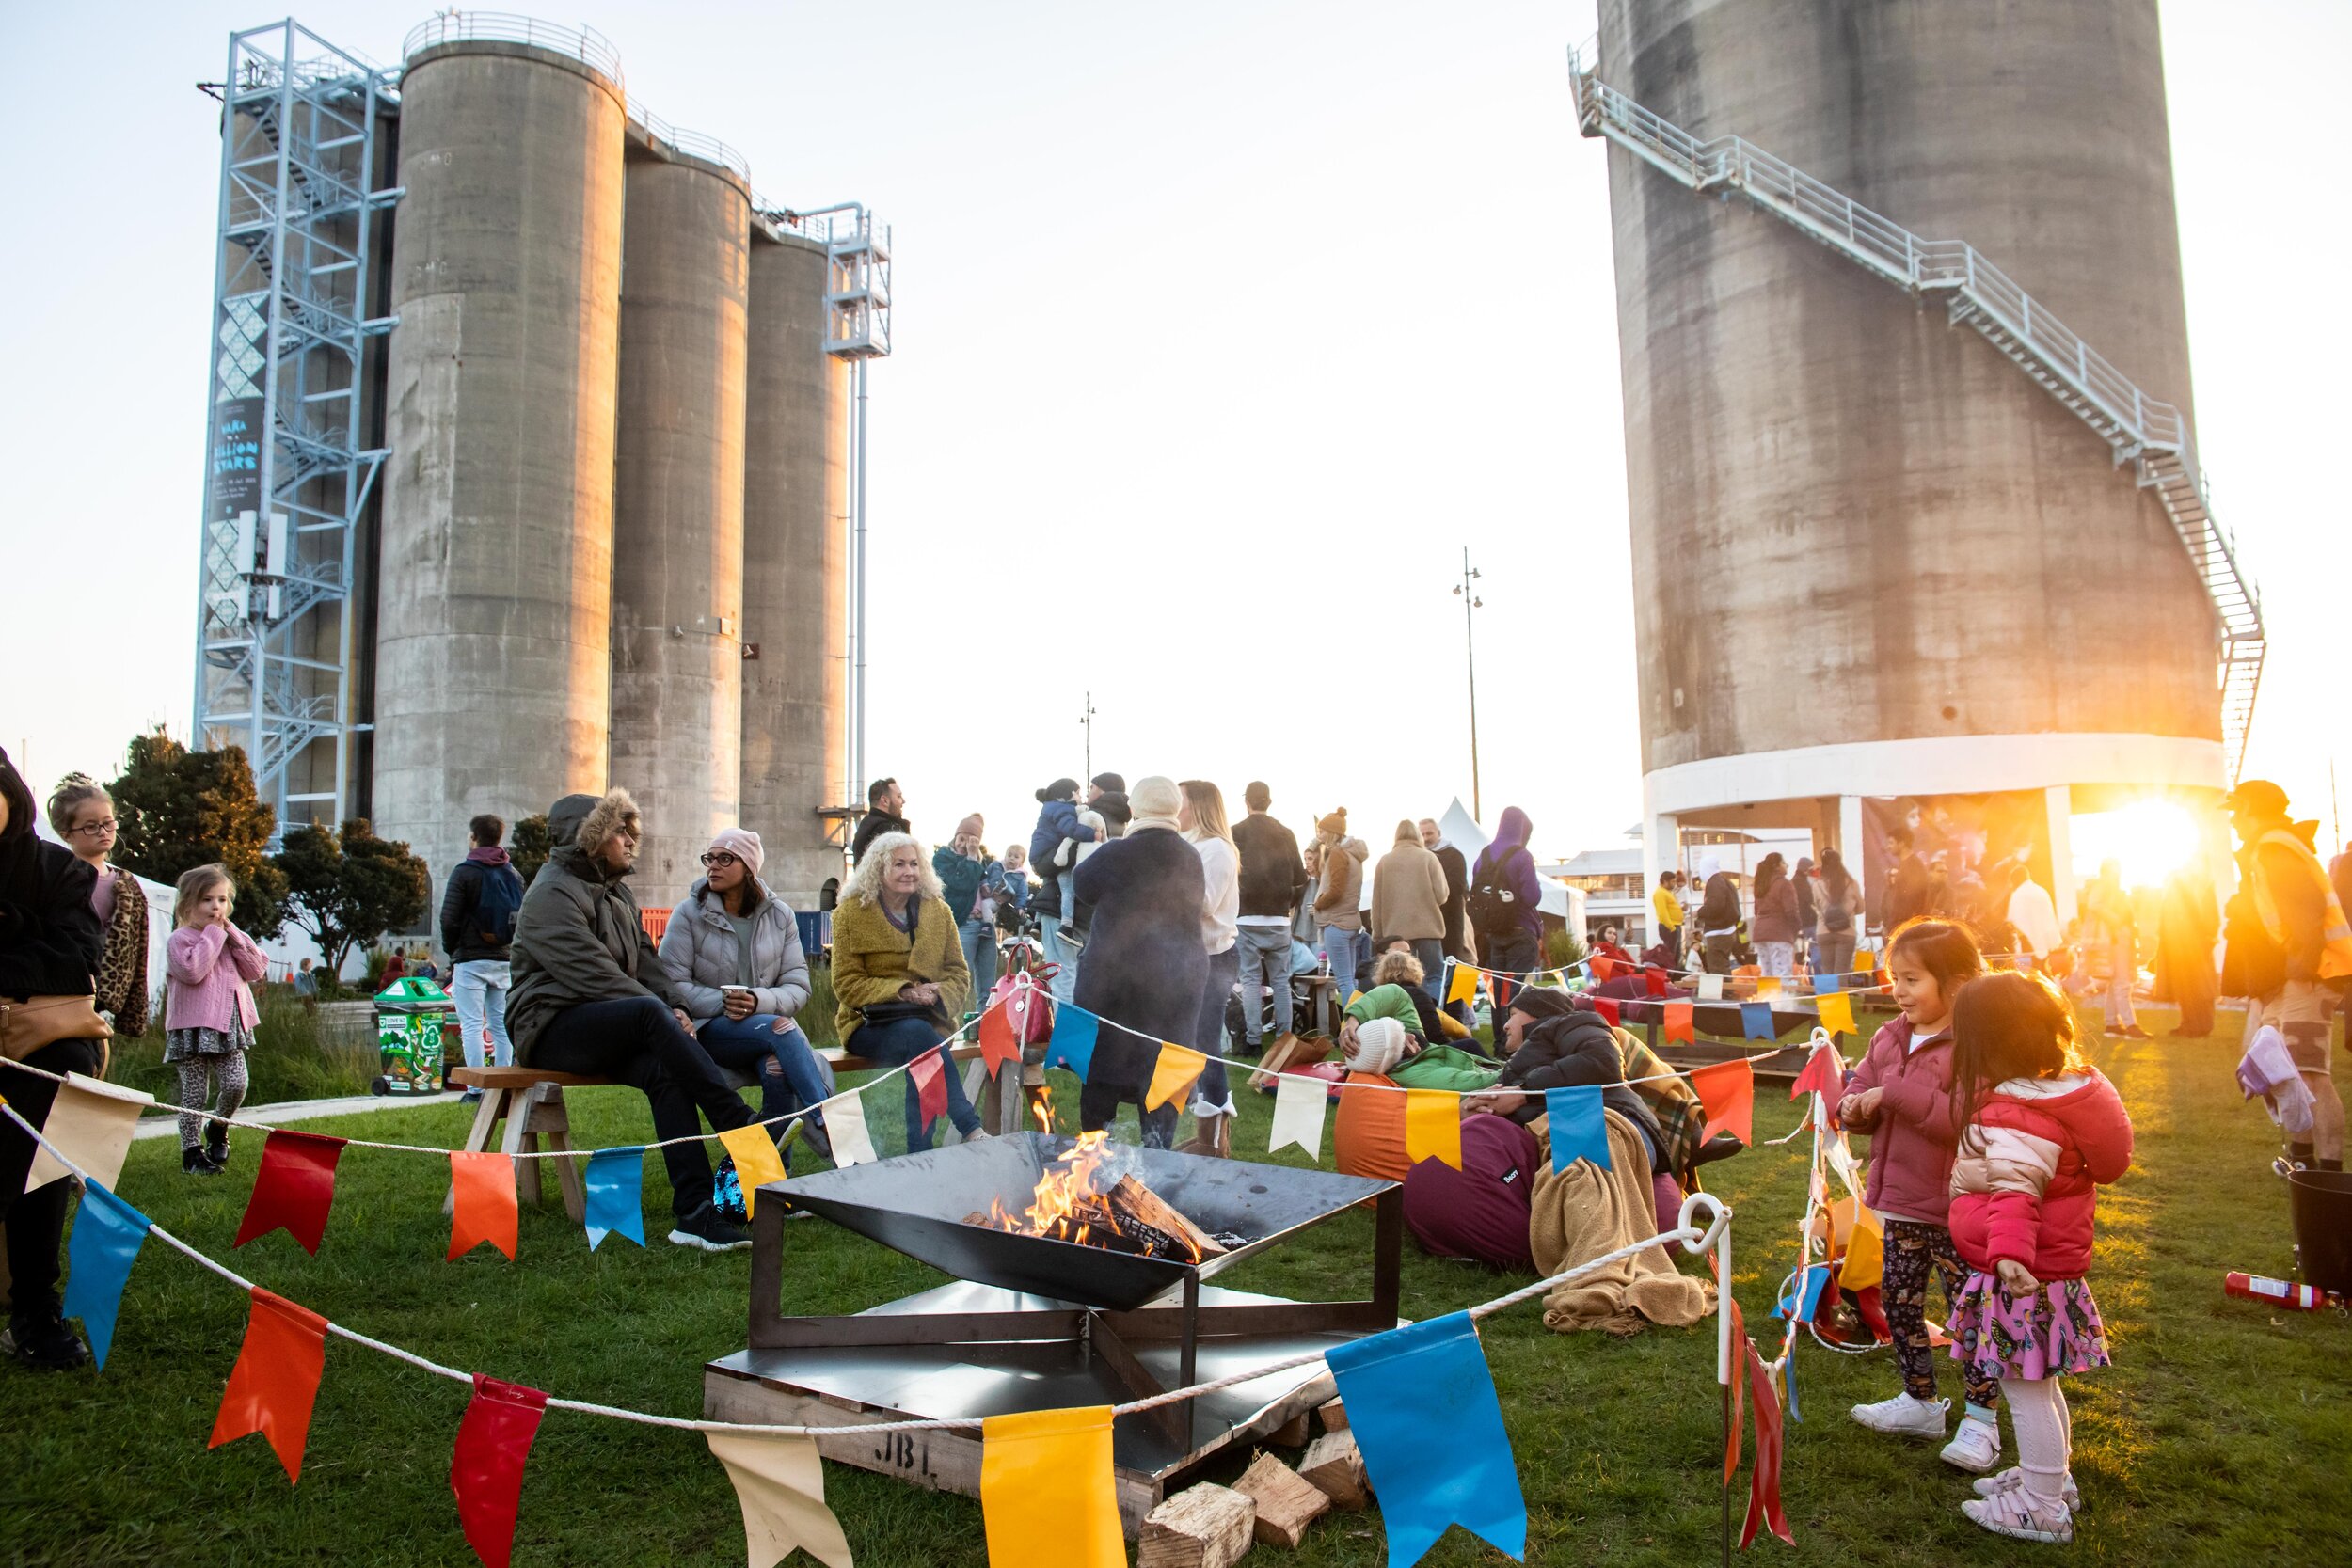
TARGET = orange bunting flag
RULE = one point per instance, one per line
(757, 1161)
(1837, 1013)
(1727, 1090)
(1178, 1066)
(1768, 985)
(1433, 1126)
(482, 1187)
(1821, 1074)
(1678, 1025)
(1046, 1489)
(1604, 969)
(1463, 984)
(780, 1487)
(999, 1043)
(276, 1380)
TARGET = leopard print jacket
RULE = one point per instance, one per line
(122, 989)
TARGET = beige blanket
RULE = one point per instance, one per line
(1582, 1212)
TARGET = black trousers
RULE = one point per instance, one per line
(637, 1040)
(36, 1220)
(1122, 1071)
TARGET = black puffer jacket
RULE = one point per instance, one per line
(1578, 1049)
(50, 939)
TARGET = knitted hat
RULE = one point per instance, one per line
(742, 844)
(970, 827)
(1379, 1046)
(1114, 782)
(1334, 824)
(1155, 796)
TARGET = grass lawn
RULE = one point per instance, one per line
(2222, 1434)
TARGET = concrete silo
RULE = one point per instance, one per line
(796, 503)
(677, 576)
(1870, 557)
(494, 645)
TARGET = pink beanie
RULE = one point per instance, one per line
(742, 844)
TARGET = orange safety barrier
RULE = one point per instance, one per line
(653, 921)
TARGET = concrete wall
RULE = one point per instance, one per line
(494, 647)
(677, 576)
(1851, 522)
(795, 497)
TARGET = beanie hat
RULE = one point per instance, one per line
(1379, 1046)
(1334, 824)
(1113, 783)
(742, 844)
(1060, 790)
(970, 827)
(1155, 798)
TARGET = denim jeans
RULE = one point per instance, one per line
(1263, 953)
(1064, 958)
(1209, 1033)
(1347, 950)
(479, 988)
(1429, 952)
(979, 956)
(900, 1041)
(637, 1040)
(784, 1063)
(1832, 951)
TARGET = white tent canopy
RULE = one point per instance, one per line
(1462, 830)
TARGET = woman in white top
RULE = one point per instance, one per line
(1202, 820)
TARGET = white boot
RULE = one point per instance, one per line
(1904, 1416)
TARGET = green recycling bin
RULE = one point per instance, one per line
(411, 1017)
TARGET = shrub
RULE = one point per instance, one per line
(1562, 949)
(292, 1057)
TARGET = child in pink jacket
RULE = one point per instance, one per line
(1901, 1094)
(2042, 1133)
(209, 1015)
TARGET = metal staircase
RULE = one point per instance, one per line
(2152, 437)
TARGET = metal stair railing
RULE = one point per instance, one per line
(2150, 434)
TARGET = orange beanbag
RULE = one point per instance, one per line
(1369, 1138)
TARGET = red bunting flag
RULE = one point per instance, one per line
(276, 1380)
(931, 1086)
(1656, 979)
(1734, 1393)
(1764, 1479)
(999, 1042)
(482, 1187)
(1679, 1026)
(1821, 1074)
(295, 1189)
(1727, 1090)
(1604, 969)
(1610, 1013)
(487, 1470)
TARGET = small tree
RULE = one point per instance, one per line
(180, 809)
(350, 888)
(528, 846)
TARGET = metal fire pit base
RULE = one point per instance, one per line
(1153, 1453)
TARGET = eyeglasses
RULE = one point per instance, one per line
(97, 829)
(632, 835)
(716, 858)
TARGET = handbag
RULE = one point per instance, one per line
(26, 1026)
(892, 1012)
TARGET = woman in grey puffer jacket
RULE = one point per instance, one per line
(733, 951)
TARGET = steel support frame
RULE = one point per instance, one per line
(299, 203)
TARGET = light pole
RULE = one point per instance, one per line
(1086, 723)
(1471, 601)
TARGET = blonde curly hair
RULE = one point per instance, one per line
(865, 880)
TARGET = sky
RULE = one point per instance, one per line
(1221, 332)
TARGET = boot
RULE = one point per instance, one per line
(192, 1162)
(216, 1145)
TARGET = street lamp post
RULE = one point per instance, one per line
(1086, 723)
(1471, 601)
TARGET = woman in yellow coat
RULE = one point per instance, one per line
(898, 973)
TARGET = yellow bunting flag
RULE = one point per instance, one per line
(1433, 1126)
(1866, 1252)
(1463, 984)
(1046, 1491)
(92, 1122)
(1864, 962)
(1768, 985)
(780, 1487)
(1179, 1064)
(756, 1161)
(1837, 1013)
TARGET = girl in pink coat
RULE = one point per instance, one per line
(2042, 1133)
(209, 1015)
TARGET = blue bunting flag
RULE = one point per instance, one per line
(616, 1188)
(1825, 984)
(1073, 1045)
(1756, 1020)
(106, 1238)
(1578, 1131)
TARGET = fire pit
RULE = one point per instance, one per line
(1040, 1320)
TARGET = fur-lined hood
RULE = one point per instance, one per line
(585, 821)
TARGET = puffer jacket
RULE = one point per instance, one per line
(1574, 1050)
(1340, 902)
(700, 954)
(579, 938)
(2023, 1185)
(1915, 1128)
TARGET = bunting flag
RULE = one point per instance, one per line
(1865, 964)
(1823, 1074)
(1808, 1294)
(1837, 1013)
(757, 1162)
(616, 1193)
(1298, 1106)
(1738, 1390)
(486, 1470)
(1603, 968)
(294, 1188)
(1842, 1161)
(999, 1042)
(1433, 1126)
(1610, 1013)
(1656, 980)
(1678, 1021)
(1727, 1090)
(1824, 984)
(1866, 1251)
(1021, 1009)
(781, 1486)
(276, 1379)
(1768, 985)
(1421, 1404)
(1711, 987)
(1462, 984)
(1764, 1477)
(1046, 1489)
(1756, 1020)
(1072, 1044)
(845, 1129)
(482, 1189)
(107, 1236)
(1578, 1131)
(1178, 1066)
(930, 1087)
(92, 1122)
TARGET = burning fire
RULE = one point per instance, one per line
(1082, 1199)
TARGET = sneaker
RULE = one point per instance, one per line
(1976, 1446)
(2013, 1479)
(1204, 1111)
(44, 1343)
(2019, 1513)
(707, 1230)
(1904, 1416)
(472, 1096)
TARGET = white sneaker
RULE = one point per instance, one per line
(1202, 1110)
(2013, 1479)
(2019, 1513)
(1904, 1416)
(1976, 1446)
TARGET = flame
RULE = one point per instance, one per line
(1041, 1108)
(1067, 1204)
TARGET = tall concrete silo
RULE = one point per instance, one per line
(796, 498)
(677, 576)
(1870, 556)
(494, 647)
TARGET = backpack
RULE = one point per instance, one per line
(1493, 906)
(498, 899)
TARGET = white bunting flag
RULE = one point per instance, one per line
(845, 1126)
(1299, 1103)
(1711, 987)
(92, 1122)
(1848, 1169)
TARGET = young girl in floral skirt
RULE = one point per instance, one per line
(2042, 1131)
(209, 1015)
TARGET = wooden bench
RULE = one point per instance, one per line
(529, 1100)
